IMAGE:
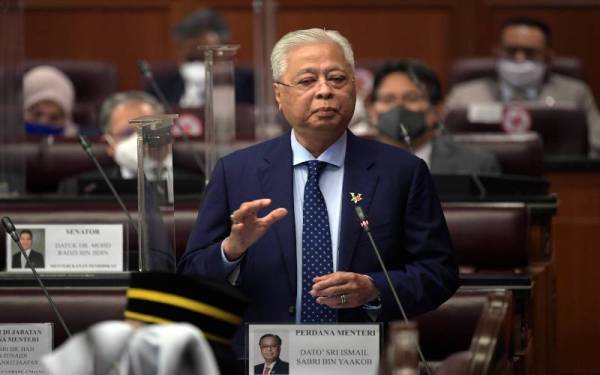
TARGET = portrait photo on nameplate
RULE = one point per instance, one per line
(22, 345)
(68, 248)
(310, 349)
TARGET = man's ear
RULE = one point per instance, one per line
(434, 114)
(110, 145)
(372, 113)
(277, 92)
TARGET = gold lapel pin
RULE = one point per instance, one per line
(355, 197)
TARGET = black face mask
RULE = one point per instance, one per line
(413, 122)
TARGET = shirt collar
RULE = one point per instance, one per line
(334, 154)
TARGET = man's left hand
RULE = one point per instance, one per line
(344, 290)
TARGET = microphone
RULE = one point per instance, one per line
(149, 77)
(364, 223)
(87, 147)
(406, 137)
(12, 231)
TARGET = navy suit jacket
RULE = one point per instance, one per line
(406, 220)
(280, 368)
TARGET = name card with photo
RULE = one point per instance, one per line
(68, 248)
(298, 349)
(22, 346)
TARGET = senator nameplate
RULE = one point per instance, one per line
(333, 349)
(22, 346)
(67, 248)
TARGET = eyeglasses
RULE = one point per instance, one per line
(408, 98)
(334, 81)
(528, 52)
(269, 346)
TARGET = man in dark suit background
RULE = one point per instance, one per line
(121, 145)
(36, 258)
(408, 92)
(293, 266)
(185, 86)
(270, 349)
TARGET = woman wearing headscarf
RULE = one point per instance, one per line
(48, 101)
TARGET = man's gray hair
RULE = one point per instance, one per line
(109, 105)
(300, 37)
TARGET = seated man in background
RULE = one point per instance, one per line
(523, 76)
(48, 101)
(120, 136)
(407, 94)
(186, 87)
(121, 143)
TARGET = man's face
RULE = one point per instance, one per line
(323, 95)
(187, 50)
(46, 112)
(396, 89)
(25, 240)
(269, 349)
(520, 43)
(119, 127)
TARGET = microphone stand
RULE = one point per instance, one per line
(87, 147)
(364, 223)
(10, 229)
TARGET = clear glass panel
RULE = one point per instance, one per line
(265, 112)
(219, 115)
(156, 211)
(12, 159)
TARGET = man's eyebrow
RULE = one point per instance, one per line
(316, 71)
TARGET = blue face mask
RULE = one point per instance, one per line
(33, 128)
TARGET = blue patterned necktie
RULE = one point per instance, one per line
(316, 246)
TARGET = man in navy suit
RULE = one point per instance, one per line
(239, 238)
(270, 349)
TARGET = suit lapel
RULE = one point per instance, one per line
(358, 178)
(276, 179)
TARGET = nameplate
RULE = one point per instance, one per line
(68, 248)
(342, 349)
(488, 113)
(22, 346)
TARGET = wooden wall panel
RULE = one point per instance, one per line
(575, 233)
(380, 33)
(120, 35)
(578, 326)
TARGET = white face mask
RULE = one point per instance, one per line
(525, 74)
(126, 154)
(193, 72)
(194, 79)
